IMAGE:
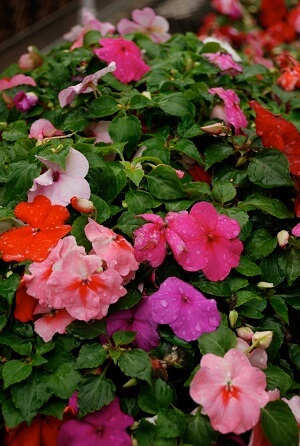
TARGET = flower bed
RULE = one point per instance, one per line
(150, 251)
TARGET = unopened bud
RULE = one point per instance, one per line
(215, 129)
(283, 238)
(82, 205)
(233, 317)
(147, 94)
(265, 285)
(262, 339)
(245, 333)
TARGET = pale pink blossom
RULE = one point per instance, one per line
(42, 128)
(230, 390)
(232, 110)
(52, 322)
(113, 248)
(283, 238)
(25, 101)
(60, 185)
(232, 8)
(89, 22)
(30, 60)
(67, 96)
(99, 130)
(17, 79)
(128, 58)
(185, 309)
(257, 357)
(294, 405)
(145, 21)
(225, 62)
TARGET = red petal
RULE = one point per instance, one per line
(25, 305)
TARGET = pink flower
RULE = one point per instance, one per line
(230, 390)
(233, 113)
(114, 249)
(145, 21)
(61, 185)
(135, 319)
(127, 55)
(67, 96)
(99, 130)
(30, 60)
(83, 288)
(296, 230)
(105, 427)
(18, 79)
(257, 437)
(25, 101)
(184, 308)
(42, 128)
(257, 357)
(225, 62)
(150, 240)
(232, 8)
(89, 22)
(206, 240)
(53, 321)
(294, 405)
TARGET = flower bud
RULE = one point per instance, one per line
(216, 129)
(233, 317)
(25, 101)
(262, 339)
(30, 60)
(245, 333)
(283, 238)
(265, 285)
(82, 205)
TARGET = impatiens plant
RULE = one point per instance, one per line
(150, 234)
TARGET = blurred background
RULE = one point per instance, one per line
(43, 22)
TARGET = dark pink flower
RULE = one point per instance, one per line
(230, 390)
(232, 8)
(232, 112)
(145, 21)
(126, 54)
(296, 230)
(105, 427)
(225, 62)
(184, 309)
(25, 101)
(18, 79)
(136, 319)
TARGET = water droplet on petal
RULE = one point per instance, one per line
(164, 303)
(198, 327)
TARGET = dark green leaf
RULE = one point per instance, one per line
(18, 344)
(171, 423)
(126, 129)
(199, 431)
(20, 178)
(9, 286)
(268, 205)
(63, 382)
(12, 416)
(78, 232)
(103, 106)
(289, 262)
(103, 210)
(90, 356)
(270, 269)
(94, 392)
(280, 307)
(216, 153)
(277, 378)
(217, 342)
(279, 424)
(123, 337)
(188, 148)
(294, 352)
(153, 398)
(138, 201)
(261, 244)
(223, 192)
(136, 364)
(247, 267)
(269, 168)
(164, 184)
(87, 330)
(15, 371)
(176, 104)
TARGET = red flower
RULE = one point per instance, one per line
(25, 304)
(45, 226)
(199, 174)
(272, 12)
(43, 431)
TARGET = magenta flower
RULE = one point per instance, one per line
(52, 322)
(296, 230)
(18, 79)
(67, 96)
(225, 62)
(232, 8)
(42, 128)
(61, 185)
(230, 390)
(105, 427)
(145, 21)
(25, 101)
(127, 55)
(233, 112)
(184, 309)
(136, 319)
(99, 130)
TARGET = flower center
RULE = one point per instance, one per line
(210, 238)
(228, 392)
(55, 176)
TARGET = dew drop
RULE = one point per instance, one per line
(198, 327)
(164, 303)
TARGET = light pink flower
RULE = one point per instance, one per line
(294, 405)
(232, 8)
(257, 437)
(61, 185)
(296, 230)
(145, 21)
(18, 79)
(233, 112)
(225, 62)
(99, 130)
(127, 55)
(114, 249)
(89, 22)
(67, 96)
(83, 288)
(230, 390)
(257, 357)
(135, 319)
(25, 101)
(185, 309)
(42, 128)
(53, 321)
(30, 60)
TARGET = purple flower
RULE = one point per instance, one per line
(105, 427)
(185, 309)
(225, 62)
(136, 319)
(25, 101)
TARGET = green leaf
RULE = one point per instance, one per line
(15, 371)
(18, 344)
(136, 364)
(103, 209)
(277, 378)
(260, 245)
(153, 398)
(188, 148)
(215, 153)
(54, 408)
(270, 168)
(20, 178)
(9, 286)
(244, 296)
(134, 172)
(289, 262)
(221, 289)
(279, 424)
(268, 205)
(247, 267)
(94, 392)
(253, 309)
(90, 356)
(139, 101)
(63, 382)
(15, 131)
(103, 106)
(176, 104)
(85, 330)
(280, 307)
(139, 201)
(132, 297)
(223, 192)
(171, 423)
(78, 232)
(123, 337)
(271, 272)
(12, 416)
(145, 433)
(56, 155)
(126, 129)
(164, 184)
(199, 431)
(217, 342)
(128, 223)
(294, 352)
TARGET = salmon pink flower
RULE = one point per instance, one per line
(126, 54)
(18, 79)
(104, 427)
(25, 101)
(230, 390)
(185, 309)
(42, 128)
(82, 205)
(35, 240)
(30, 60)
(145, 21)
(60, 185)
(232, 110)
(52, 322)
